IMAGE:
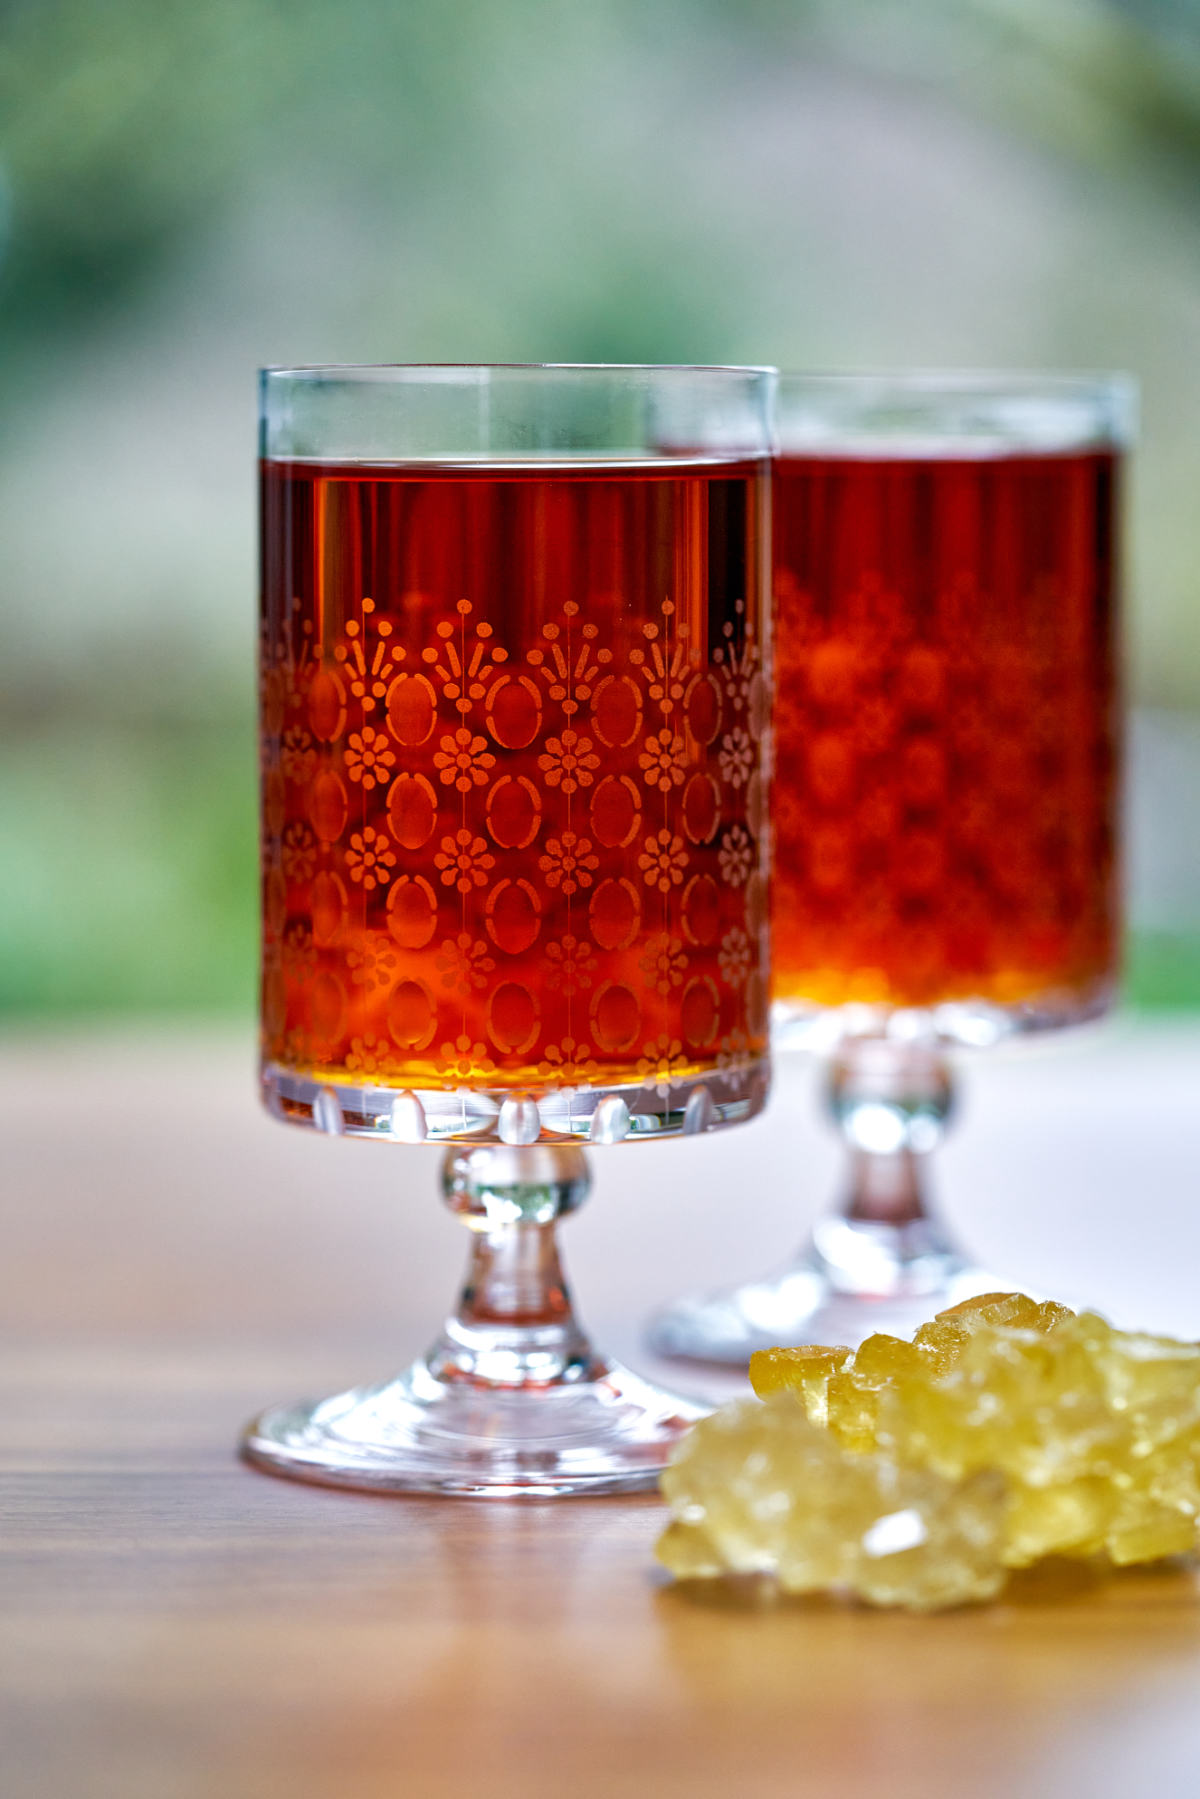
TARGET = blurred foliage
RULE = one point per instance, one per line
(123, 125)
(132, 884)
(1162, 970)
(185, 188)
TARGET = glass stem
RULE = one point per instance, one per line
(891, 1102)
(514, 1325)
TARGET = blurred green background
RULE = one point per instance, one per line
(187, 191)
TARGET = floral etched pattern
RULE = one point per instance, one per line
(945, 743)
(568, 863)
(569, 761)
(663, 860)
(510, 816)
(464, 861)
(369, 757)
(369, 857)
(464, 760)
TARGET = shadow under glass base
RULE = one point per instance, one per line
(609, 1432)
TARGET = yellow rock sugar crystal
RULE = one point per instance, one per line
(1086, 1440)
(758, 1489)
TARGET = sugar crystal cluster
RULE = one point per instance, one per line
(918, 1473)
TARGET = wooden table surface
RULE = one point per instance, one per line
(174, 1625)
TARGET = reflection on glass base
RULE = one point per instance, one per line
(609, 1431)
(682, 1107)
(854, 1279)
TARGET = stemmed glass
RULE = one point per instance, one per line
(514, 899)
(945, 792)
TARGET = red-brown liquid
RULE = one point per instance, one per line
(512, 801)
(944, 791)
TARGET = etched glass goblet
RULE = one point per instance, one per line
(945, 792)
(514, 897)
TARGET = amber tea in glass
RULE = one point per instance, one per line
(945, 795)
(514, 897)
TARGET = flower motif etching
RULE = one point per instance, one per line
(372, 962)
(570, 1060)
(663, 761)
(664, 963)
(736, 661)
(662, 1063)
(299, 956)
(368, 1055)
(369, 858)
(297, 1047)
(572, 965)
(734, 1052)
(464, 672)
(297, 758)
(663, 861)
(568, 761)
(464, 760)
(299, 852)
(464, 861)
(464, 1061)
(736, 856)
(370, 670)
(665, 666)
(568, 862)
(464, 964)
(369, 757)
(736, 758)
(734, 957)
(569, 670)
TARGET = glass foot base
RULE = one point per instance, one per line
(803, 1306)
(607, 1432)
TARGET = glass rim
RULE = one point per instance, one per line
(939, 412)
(402, 370)
(966, 381)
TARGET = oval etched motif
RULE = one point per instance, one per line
(700, 1013)
(701, 808)
(411, 708)
(701, 909)
(756, 804)
(615, 913)
(412, 911)
(327, 807)
(702, 708)
(326, 705)
(412, 811)
(514, 916)
(757, 903)
(514, 812)
(616, 811)
(616, 1014)
(617, 711)
(512, 1018)
(327, 1006)
(327, 903)
(412, 1015)
(756, 1005)
(514, 711)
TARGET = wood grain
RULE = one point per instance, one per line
(173, 1625)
